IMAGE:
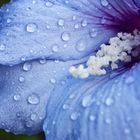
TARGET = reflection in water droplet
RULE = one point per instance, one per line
(33, 99)
(92, 118)
(53, 81)
(87, 101)
(31, 27)
(55, 48)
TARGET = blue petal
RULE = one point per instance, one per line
(24, 94)
(103, 108)
(36, 29)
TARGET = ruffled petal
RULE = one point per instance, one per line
(103, 108)
(55, 30)
(24, 93)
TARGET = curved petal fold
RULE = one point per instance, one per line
(105, 108)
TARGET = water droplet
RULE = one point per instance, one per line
(129, 80)
(92, 118)
(27, 66)
(17, 97)
(80, 46)
(49, 4)
(66, 106)
(53, 81)
(87, 101)
(55, 48)
(108, 121)
(93, 33)
(126, 131)
(9, 20)
(33, 99)
(61, 22)
(53, 122)
(42, 61)
(109, 101)
(104, 2)
(21, 79)
(74, 116)
(2, 47)
(84, 23)
(65, 36)
(76, 26)
(34, 2)
(31, 27)
(19, 114)
(103, 20)
(33, 116)
(29, 124)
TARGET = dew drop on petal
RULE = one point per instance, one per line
(49, 4)
(42, 61)
(31, 27)
(17, 97)
(33, 99)
(104, 3)
(65, 36)
(27, 66)
(33, 116)
(84, 23)
(61, 22)
(92, 118)
(2, 47)
(87, 101)
(93, 33)
(80, 46)
(129, 80)
(74, 116)
(109, 101)
(108, 121)
(21, 79)
(52, 81)
(55, 48)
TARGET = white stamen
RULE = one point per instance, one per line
(121, 48)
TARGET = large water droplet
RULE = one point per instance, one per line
(33, 99)
(65, 36)
(31, 27)
(80, 46)
(27, 66)
(2, 47)
(74, 116)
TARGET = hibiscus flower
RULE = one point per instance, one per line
(47, 47)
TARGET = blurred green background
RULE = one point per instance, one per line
(8, 136)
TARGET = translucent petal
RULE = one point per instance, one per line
(24, 93)
(104, 108)
(37, 28)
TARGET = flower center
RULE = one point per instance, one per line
(125, 48)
